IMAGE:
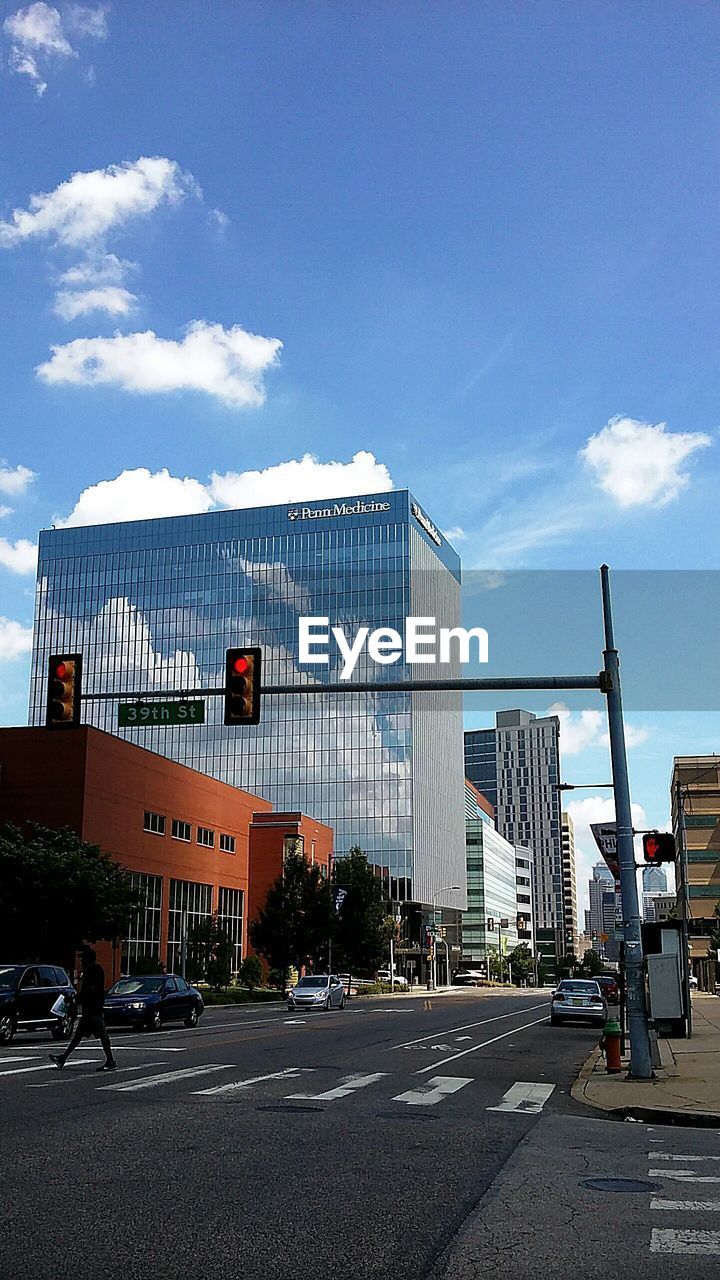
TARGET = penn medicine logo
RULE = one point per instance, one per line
(357, 508)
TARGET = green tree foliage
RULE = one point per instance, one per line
(521, 962)
(209, 953)
(592, 964)
(294, 925)
(362, 927)
(56, 892)
(250, 973)
(567, 966)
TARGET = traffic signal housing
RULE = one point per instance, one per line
(242, 686)
(63, 691)
(658, 846)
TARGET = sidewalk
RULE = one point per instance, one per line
(686, 1088)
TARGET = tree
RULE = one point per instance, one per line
(294, 925)
(592, 963)
(250, 973)
(209, 953)
(521, 962)
(56, 892)
(567, 965)
(493, 963)
(362, 932)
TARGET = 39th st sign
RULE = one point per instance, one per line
(157, 713)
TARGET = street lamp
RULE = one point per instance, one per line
(448, 888)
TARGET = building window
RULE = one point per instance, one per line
(154, 822)
(190, 904)
(293, 844)
(227, 843)
(180, 830)
(206, 837)
(143, 936)
(230, 917)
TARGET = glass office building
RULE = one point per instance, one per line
(153, 605)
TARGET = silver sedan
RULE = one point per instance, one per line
(579, 998)
(317, 991)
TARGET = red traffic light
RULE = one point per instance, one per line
(63, 692)
(658, 847)
(241, 665)
(61, 670)
(242, 686)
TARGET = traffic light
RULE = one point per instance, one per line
(63, 691)
(658, 846)
(490, 924)
(522, 924)
(242, 686)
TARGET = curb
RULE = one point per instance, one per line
(640, 1114)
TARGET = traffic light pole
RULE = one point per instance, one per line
(640, 1056)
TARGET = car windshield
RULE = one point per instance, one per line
(9, 975)
(136, 986)
(313, 982)
(582, 988)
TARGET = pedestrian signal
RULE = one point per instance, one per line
(658, 846)
(242, 686)
(63, 691)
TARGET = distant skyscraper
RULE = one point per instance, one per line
(601, 877)
(570, 911)
(654, 880)
(517, 766)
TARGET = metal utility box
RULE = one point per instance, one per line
(665, 984)
(665, 949)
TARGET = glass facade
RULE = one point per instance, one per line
(143, 938)
(491, 889)
(153, 605)
(189, 901)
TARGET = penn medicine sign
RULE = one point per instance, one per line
(357, 508)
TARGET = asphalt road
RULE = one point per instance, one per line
(402, 1138)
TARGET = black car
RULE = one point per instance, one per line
(150, 1000)
(27, 995)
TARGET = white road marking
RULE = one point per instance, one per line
(168, 1077)
(243, 1084)
(661, 1155)
(62, 1078)
(467, 1026)
(460, 1038)
(682, 1175)
(691, 1206)
(48, 1066)
(525, 1096)
(684, 1241)
(295, 1022)
(32, 1057)
(444, 1062)
(434, 1091)
(347, 1086)
(119, 1047)
(445, 1047)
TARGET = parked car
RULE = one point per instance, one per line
(579, 998)
(693, 982)
(384, 976)
(317, 991)
(150, 1000)
(608, 985)
(27, 995)
(468, 978)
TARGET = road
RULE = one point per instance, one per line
(405, 1138)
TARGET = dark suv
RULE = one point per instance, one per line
(27, 995)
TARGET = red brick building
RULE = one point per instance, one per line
(194, 845)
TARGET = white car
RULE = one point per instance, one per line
(469, 978)
(693, 982)
(384, 976)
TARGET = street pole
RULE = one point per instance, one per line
(500, 975)
(183, 941)
(684, 902)
(392, 964)
(640, 1059)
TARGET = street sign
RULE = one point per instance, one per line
(605, 834)
(157, 713)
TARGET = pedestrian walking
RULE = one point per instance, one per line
(91, 998)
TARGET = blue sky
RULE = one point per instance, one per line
(473, 244)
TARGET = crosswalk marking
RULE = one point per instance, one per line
(671, 1241)
(33, 1057)
(347, 1085)
(61, 1078)
(287, 1073)
(682, 1175)
(434, 1091)
(48, 1066)
(689, 1206)
(168, 1077)
(662, 1155)
(526, 1097)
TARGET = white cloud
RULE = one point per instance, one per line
(37, 32)
(23, 64)
(586, 729)
(141, 494)
(98, 268)
(88, 22)
(5, 511)
(20, 556)
(138, 495)
(15, 480)
(70, 303)
(455, 534)
(583, 812)
(39, 27)
(15, 640)
(122, 634)
(87, 206)
(300, 481)
(638, 463)
(225, 363)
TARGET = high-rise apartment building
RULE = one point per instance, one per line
(695, 795)
(601, 882)
(517, 766)
(569, 881)
(153, 605)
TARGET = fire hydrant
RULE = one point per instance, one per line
(610, 1044)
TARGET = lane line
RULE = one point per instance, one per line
(684, 1241)
(443, 1062)
(28, 1057)
(437, 1089)
(347, 1085)
(691, 1206)
(49, 1066)
(287, 1072)
(168, 1077)
(682, 1175)
(525, 1096)
(661, 1155)
(61, 1078)
(468, 1025)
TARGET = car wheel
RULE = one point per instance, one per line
(342, 1002)
(328, 1003)
(554, 1022)
(154, 1022)
(64, 1028)
(7, 1028)
(192, 1018)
